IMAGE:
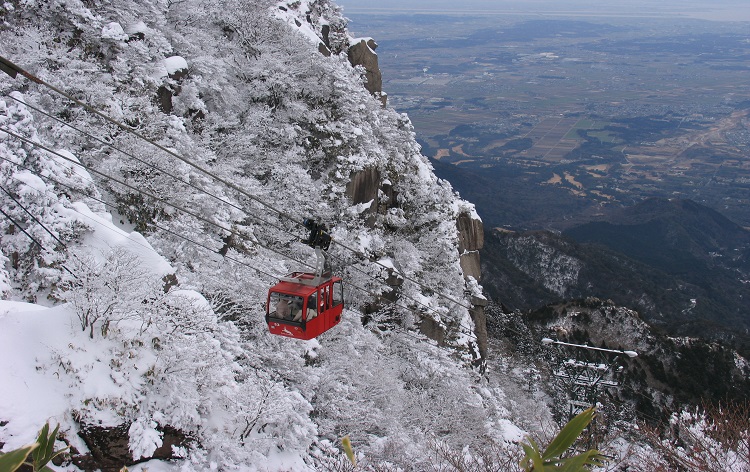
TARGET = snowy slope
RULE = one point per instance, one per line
(163, 326)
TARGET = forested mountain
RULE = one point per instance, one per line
(683, 266)
(157, 159)
(260, 121)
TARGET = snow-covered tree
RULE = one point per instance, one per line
(252, 129)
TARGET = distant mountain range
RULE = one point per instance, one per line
(684, 267)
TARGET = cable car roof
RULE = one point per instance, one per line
(302, 284)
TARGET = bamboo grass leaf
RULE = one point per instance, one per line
(12, 460)
(568, 435)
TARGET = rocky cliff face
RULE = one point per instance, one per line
(470, 242)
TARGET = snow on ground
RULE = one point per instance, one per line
(106, 236)
(30, 394)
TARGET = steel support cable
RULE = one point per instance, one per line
(185, 238)
(427, 307)
(142, 192)
(32, 238)
(406, 277)
(203, 246)
(33, 217)
(54, 236)
(151, 166)
(6, 64)
(371, 293)
(12, 69)
(181, 209)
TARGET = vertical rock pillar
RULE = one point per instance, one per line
(470, 241)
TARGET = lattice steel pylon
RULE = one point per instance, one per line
(586, 372)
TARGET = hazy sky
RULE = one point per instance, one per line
(725, 10)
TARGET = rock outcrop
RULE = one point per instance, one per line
(367, 186)
(363, 188)
(470, 241)
(363, 54)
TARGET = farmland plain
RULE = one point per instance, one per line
(549, 120)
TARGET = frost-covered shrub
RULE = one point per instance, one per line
(112, 288)
(41, 216)
(700, 439)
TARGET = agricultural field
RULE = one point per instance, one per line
(575, 113)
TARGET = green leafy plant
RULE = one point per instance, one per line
(553, 458)
(41, 453)
(14, 459)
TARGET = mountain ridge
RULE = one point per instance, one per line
(681, 265)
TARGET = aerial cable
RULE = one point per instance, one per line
(32, 238)
(140, 191)
(159, 226)
(395, 303)
(201, 245)
(191, 241)
(54, 236)
(425, 306)
(152, 166)
(406, 277)
(12, 70)
(148, 164)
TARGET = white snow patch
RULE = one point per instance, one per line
(31, 183)
(144, 438)
(360, 208)
(106, 237)
(29, 395)
(292, 18)
(366, 40)
(511, 432)
(70, 167)
(114, 31)
(175, 64)
(387, 263)
(135, 28)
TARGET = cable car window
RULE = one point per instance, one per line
(323, 301)
(338, 293)
(312, 304)
(285, 307)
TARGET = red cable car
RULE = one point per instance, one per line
(303, 305)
